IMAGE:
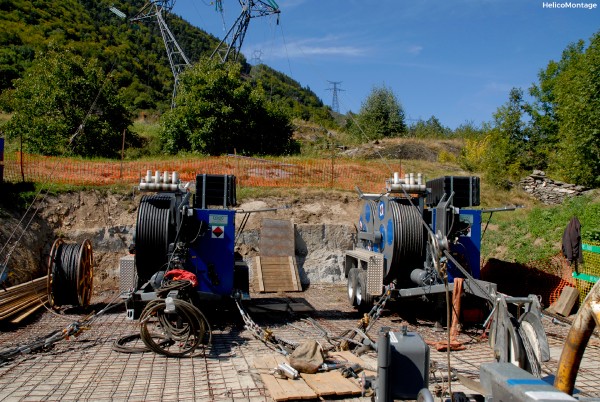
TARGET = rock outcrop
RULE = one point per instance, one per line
(549, 191)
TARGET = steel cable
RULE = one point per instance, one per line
(185, 328)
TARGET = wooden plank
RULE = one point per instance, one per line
(276, 274)
(331, 383)
(259, 278)
(25, 314)
(282, 389)
(352, 358)
(293, 272)
(274, 260)
(277, 392)
(566, 301)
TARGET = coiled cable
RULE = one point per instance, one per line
(70, 274)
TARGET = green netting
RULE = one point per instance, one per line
(589, 270)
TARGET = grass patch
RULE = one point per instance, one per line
(151, 145)
(535, 233)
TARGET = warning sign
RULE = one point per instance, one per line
(217, 232)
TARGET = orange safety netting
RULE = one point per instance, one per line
(339, 173)
(546, 277)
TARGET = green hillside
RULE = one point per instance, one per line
(133, 54)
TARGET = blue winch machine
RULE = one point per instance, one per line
(178, 230)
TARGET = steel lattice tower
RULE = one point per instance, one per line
(335, 104)
(177, 58)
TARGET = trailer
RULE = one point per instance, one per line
(414, 238)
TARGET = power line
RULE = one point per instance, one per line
(335, 104)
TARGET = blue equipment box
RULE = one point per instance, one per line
(211, 256)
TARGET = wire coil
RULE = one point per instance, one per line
(70, 274)
(403, 240)
(153, 233)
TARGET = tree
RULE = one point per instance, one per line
(65, 104)
(218, 112)
(508, 142)
(381, 115)
(543, 136)
(577, 99)
(432, 128)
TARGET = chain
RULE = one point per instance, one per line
(375, 312)
(265, 335)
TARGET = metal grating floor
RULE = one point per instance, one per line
(87, 368)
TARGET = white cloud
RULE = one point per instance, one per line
(324, 46)
(415, 49)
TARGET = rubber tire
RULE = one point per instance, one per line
(364, 301)
(352, 283)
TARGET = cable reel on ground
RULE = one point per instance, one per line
(70, 274)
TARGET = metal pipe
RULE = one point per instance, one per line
(383, 366)
(581, 330)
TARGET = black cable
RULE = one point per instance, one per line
(119, 344)
(153, 234)
(64, 275)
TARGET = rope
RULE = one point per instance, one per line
(409, 241)
(170, 327)
(64, 275)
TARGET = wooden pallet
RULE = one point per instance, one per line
(308, 386)
(281, 389)
(331, 383)
(277, 274)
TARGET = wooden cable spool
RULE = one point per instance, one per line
(70, 274)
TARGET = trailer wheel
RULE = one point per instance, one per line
(352, 284)
(364, 301)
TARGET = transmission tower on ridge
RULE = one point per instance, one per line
(237, 32)
(177, 59)
(335, 104)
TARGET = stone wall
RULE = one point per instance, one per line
(547, 190)
(319, 250)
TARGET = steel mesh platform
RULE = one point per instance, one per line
(87, 368)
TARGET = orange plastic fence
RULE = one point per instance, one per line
(251, 172)
(552, 286)
(546, 277)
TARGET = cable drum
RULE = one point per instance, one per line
(403, 239)
(70, 274)
(153, 233)
(366, 222)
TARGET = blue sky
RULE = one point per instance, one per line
(455, 59)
